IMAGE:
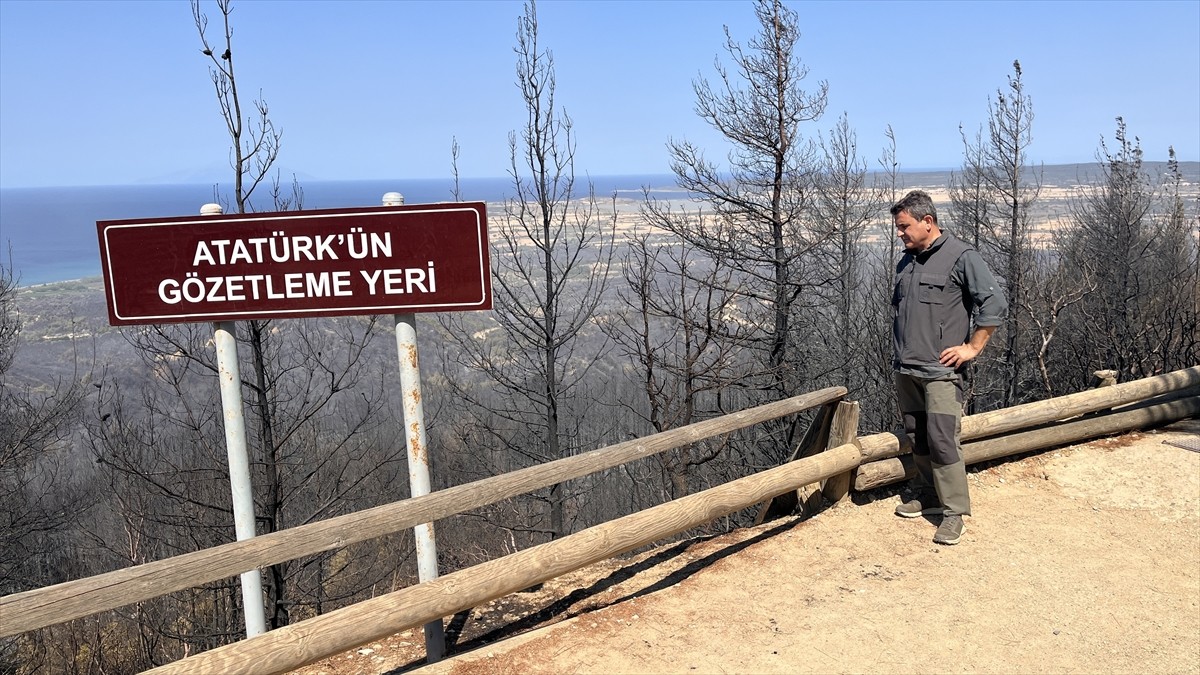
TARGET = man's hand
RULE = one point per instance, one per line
(956, 356)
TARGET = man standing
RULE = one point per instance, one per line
(941, 285)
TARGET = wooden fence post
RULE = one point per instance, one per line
(813, 442)
(843, 431)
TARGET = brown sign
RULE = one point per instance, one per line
(381, 260)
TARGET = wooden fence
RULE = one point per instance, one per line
(74, 599)
(827, 462)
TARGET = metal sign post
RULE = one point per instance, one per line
(418, 455)
(224, 337)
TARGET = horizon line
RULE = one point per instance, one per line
(585, 176)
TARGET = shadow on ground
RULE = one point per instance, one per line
(465, 632)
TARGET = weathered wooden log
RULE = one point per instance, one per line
(844, 430)
(892, 444)
(814, 441)
(892, 470)
(42, 607)
(292, 646)
(884, 445)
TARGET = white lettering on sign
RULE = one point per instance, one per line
(194, 288)
(282, 248)
(401, 281)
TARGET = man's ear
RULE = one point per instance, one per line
(928, 220)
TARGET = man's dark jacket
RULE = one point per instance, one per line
(937, 292)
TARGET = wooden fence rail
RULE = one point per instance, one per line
(47, 606)
(886, 471)
(310, 640)
(1028, 415)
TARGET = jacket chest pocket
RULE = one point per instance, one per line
(904, 283)
(932, 288)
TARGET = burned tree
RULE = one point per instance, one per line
(551, 258)
(759, 201)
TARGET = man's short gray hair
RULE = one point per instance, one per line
(917, 204)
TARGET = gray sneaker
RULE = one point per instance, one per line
(925, 503)
(950, 531)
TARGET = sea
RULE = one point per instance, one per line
(48, 234)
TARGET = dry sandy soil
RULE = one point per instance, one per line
(1079, 560)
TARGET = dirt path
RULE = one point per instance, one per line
(1081, 560)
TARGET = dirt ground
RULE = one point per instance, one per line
(1079, 560)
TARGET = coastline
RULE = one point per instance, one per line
(50, 232)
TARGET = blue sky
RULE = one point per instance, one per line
(100, 92)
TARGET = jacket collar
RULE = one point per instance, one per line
(937, 243)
